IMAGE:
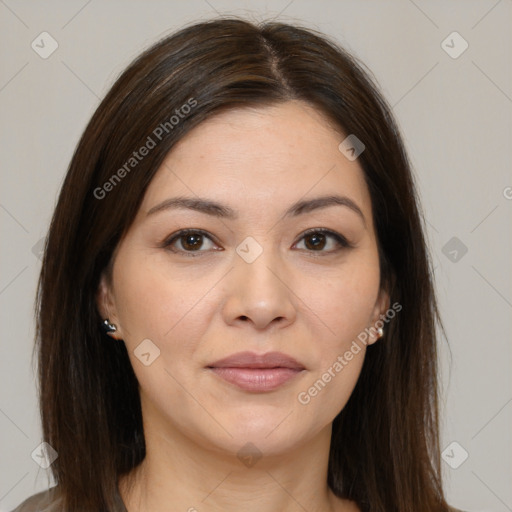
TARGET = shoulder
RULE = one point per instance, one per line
(45, 501)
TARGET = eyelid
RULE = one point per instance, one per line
(340, 239)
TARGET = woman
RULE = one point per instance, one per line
(235, 305)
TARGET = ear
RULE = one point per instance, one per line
(106, 304)
(379, 312)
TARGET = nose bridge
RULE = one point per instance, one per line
(258, 271)
(258, 289)
(257, 264)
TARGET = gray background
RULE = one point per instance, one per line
(455, 114)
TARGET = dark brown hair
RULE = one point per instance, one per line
(385, 448)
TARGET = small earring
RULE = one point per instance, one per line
(380, 330)
(108, 328)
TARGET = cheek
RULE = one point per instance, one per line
(165, 310)
(344, 303)
(341, 355)
(152, 305)
(331, 388)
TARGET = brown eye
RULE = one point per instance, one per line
(316, 240)
(188, 241)
(191, 241)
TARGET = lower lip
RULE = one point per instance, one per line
(257, 379)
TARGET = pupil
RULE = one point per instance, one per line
(319, 237)
(196, 241)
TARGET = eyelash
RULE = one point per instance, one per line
(342, 241)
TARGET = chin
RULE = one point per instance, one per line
(267, 437)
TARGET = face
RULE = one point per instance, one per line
(255, 276)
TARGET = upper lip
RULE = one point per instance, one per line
(253, 360)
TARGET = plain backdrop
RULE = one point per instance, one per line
(453, 105)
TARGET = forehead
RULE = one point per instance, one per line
(259, 159)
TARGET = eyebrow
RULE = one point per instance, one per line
(215, 209)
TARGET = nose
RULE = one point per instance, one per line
(259, 293)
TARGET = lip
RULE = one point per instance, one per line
(257, 372)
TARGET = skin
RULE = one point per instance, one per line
(308, 302)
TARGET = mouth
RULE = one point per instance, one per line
(257, 372)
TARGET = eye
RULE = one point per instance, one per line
(190, 240)
(316, 240)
